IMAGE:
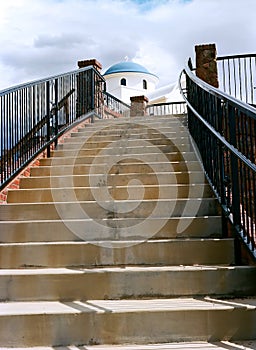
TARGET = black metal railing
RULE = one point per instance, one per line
(34, 115)
(237, 76)
(115, 108)
(167, 108)
(224, 130)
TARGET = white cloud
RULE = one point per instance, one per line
(43, 37)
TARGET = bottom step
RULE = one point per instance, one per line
(249, 345)
(96, 322)
(223, 345)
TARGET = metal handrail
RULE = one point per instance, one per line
(237, 76)
(217, 92)
(115, 107)
(34, 115)
(43, 80)
(224, 131)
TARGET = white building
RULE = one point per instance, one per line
(127, 79)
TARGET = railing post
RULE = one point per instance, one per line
(221, 156)
(138, 106)
(56, 127)
(92, 92)
(48, 128)
(234, 170)
(206, 64)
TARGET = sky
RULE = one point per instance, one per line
(39, 38)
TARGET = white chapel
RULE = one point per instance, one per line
(126, 79)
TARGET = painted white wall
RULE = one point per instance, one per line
(134, 84)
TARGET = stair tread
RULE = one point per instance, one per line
(223, 345)
(116, 219)
(123, 306)
(116, 243)
(117, 269)
(123, 174)
(110, 186)
(96, 164)
(212, 199)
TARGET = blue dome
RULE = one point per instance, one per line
(123, 67)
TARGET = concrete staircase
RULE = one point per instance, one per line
(116, 239)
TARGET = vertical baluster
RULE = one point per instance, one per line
(56, 112)
(48, 117)
(240, 79)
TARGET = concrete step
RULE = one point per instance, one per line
(104, 180)
(200, 345)
(126, 157)
(116, 150)
(153, 135)
(106, 209)
(113, 168)
(123, 146)
(169, 132)
(116, 192)
(145, 119)
(119, 124)
(76, 230)
(122, 142)
(130, 282)
(125, 321)
(119, 252)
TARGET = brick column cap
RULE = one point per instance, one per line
(141, 98)
(91, 62)
(206, 46)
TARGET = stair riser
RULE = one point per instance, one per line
(121, 142)
(110, 180)
(142, 132)
(125, 158)
(132, 127)
(135, 122)
(80, 210)
(109, 151)
(50, 231)
(125, 285)
(113, 169)
(119, 328)
(175, 136)
(150, 137)
(133, 137)
(117, 193)
(176, 252)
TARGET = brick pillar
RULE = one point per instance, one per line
(92, 62)
(89, 88)
(138, 106)
(206, 65)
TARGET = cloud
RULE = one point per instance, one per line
(45, 37)
(62, 41)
